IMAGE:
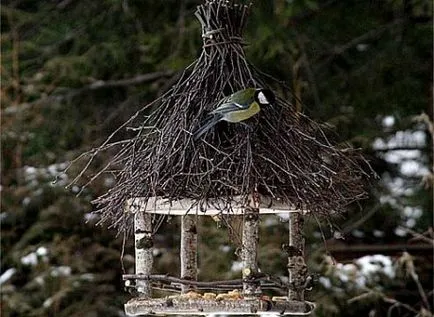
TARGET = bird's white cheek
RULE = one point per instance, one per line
(262, 99)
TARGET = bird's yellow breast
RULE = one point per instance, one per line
(240, 115)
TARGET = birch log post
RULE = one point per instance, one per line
(188, 252)
(297, 267)
(249, 252)
(143, 250)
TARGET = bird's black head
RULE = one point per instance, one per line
(264, 97)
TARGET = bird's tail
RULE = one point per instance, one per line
(208, 124)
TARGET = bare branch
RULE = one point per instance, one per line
(137, 80)
(99, 84)
(279, 153)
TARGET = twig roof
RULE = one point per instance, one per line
(279, 153)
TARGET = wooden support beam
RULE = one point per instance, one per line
(249, 252)
(210, 207)
(297, 268)
(188, 252)
(143, 250)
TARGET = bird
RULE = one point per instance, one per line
(237, 107)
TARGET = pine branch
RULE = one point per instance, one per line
(99, 84)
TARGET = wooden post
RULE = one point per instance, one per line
(297, 268)
(143, 249)
(249, 252)
(188, 252)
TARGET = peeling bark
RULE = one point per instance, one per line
(143, 250)
(190, 307)
(297, 267)
(249, 252)
(188, 252)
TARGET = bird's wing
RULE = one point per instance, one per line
(229, 107)
(248, 93)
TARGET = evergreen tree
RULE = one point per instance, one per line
(72, 71)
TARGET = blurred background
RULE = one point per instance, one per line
(74, 70)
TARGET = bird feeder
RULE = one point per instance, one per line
(278, 161)
(243, 296)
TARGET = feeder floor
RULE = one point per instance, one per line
(199, 306)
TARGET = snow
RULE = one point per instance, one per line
(237, 266)
(156, 251)
(409, 160)
(358, 233)
(33, 257)
(407, 138)
(48, 302)
(361, 47)
(75, 189)
(3, 215)
(30, 259)
(42, 251)
(325, 281)
(317, 234)
(283, 217)
(270, 221)
(90, 216)
(400, 232)
(7, 275)
(413, 168)
(338, 235)
(362, 270)
(411, 215)
(413, 212)
(378, 144)
(399, 156)
(419, 137)
(345, 271)
(378, 233)
(52, 170)
(26, 201)
(30, 171)
(388, 121)
(371, 264)
(61, 271)
(87, 276)
(40, 280)
(396, 187)
(225, 248)
(410, 223)
(35, 176)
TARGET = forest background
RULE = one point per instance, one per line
(74, 70)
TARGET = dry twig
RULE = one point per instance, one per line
(281, 153)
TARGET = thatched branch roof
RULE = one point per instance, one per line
(279, 153)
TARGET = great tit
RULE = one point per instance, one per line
(237, 107)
